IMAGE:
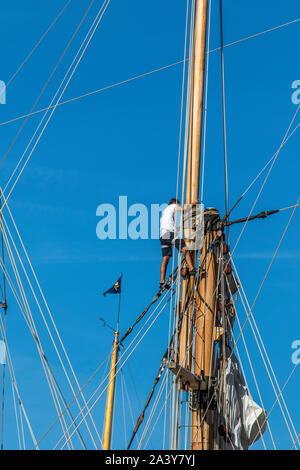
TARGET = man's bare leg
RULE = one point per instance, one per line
(188, 259)
(163, 269)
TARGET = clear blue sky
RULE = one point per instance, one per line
(124, 141)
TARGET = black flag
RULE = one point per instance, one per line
(116, 288)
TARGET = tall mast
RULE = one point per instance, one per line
(110, 394)
(194, 155)
(202, 416)
(198, 92)
(202, 305)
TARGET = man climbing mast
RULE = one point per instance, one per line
(167, 238)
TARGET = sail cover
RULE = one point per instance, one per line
(245, 420)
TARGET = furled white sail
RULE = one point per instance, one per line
(245, 420)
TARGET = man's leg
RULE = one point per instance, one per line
(163, 268)
(188, 259)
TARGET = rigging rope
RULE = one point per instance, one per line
(103, 362)
(32, 328)
(83, 46)
(224, 114)
(46, 324)
(38, 43)
(108, 87)
(148, 73)
(249, 360)
(14, 386)
(4, 306)
(118, 370)
(205, 106)
(271, 262)
(50, 315)
(255, 35)
(156, 380)
(47, 83)
(153, 301)
(262, 350)
(280, 393)
(271, 161)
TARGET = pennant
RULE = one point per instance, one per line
(116, 288)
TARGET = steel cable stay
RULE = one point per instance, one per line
(51, 337)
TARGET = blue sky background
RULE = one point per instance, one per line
(124, 141)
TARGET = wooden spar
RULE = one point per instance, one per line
(185, 353)
(202, 419)
(194, 157)
(201, 429)
(110, 394)
(198, 92)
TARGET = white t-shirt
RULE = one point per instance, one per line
(168, 220)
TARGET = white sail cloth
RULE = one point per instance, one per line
(245, 421)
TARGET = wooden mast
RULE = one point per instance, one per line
(110, 394)
(198, 93)
(201, 429)
(194, 156)
(201, 417)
